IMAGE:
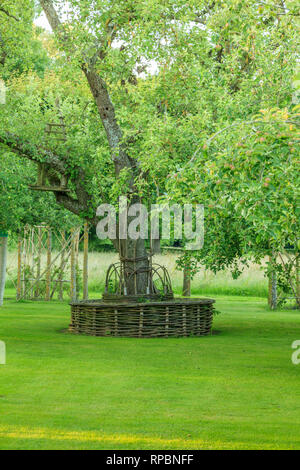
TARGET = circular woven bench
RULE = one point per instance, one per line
(149, 319)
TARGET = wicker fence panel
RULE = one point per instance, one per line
(176, 318)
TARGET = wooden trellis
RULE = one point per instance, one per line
(48, 261)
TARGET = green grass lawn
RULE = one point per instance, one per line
(237, 389)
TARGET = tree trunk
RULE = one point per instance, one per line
(186, 290)
(135, 258)
(3, 259)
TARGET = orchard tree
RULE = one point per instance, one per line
(249, 176)
(162, 77)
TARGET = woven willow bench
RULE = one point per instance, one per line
(165, 319)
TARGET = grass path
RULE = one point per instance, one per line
(237, 389)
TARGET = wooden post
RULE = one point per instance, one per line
(38, 265)
(19, 285)
(3, 262)
(48, 273)
(62, 266)
(77, 240)
(85, 273)
(272, 297)
(141, 322)
(33, 261)
(23, 282)
(186, 291)
(73, 293)
(41, 179)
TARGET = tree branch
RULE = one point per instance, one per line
(282, 7)
(51, 14)
(71, 204)
(3, 10)
(31, 152)
(201, 17)
(38, 154)
(3, 53)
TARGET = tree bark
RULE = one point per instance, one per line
(186, 290)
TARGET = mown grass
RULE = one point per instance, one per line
(251, 283)
(236, 389)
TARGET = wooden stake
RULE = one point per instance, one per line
(33, 261)
(38, 265)
(77, 240)
(48, 273)
(85, 273)
(19, 285)
(62, 266)
(24, 263)
(73, 293)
